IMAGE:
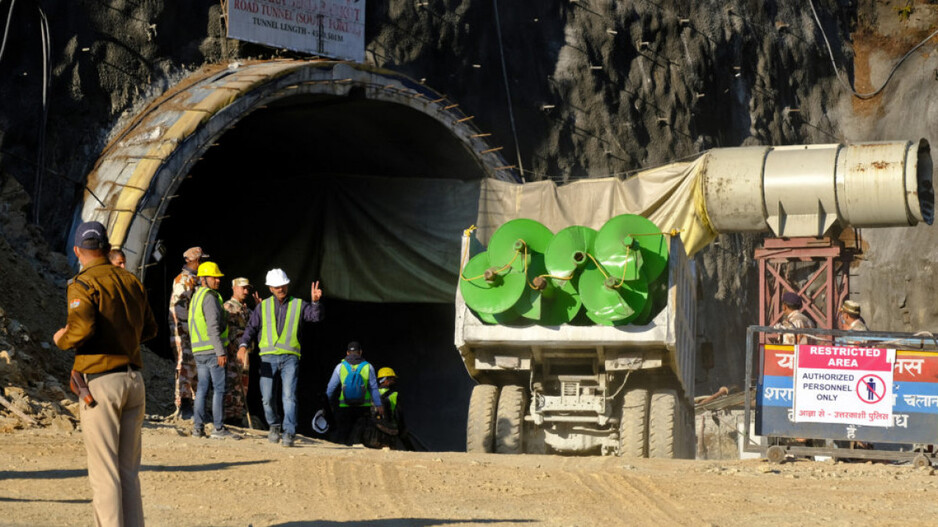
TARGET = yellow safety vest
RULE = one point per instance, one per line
(391, 399)
(343, 373)
(198, 327)
(287, 342)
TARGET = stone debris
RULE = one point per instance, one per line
(33, 371)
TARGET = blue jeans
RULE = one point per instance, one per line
(209, 371)
(286, 366)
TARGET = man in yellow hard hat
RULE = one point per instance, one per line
(394, 414)
(208, 333)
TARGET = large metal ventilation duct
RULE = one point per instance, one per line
(804, 190)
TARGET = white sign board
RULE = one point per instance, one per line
(843, 384)
(328, 28)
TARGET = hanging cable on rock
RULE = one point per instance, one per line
(46, 74)
(6, 28)
(511, 115)
(845, 84)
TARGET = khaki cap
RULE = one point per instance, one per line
(851, 308)
(194, 253)
(240, 281)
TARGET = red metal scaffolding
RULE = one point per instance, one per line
(824, 289)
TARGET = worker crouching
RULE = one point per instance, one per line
(388, 430)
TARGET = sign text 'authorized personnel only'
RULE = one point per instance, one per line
(843, 384)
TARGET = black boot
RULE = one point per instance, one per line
(186, 409)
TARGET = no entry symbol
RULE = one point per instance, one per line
(871, 389)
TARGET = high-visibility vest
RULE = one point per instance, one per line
(287, 342)
(198, 328)
(343, 373)
(391, 399)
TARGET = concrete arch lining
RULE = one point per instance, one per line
(139, 172)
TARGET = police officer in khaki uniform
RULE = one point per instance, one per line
(850, 319)
(108, 318)
(793, 318)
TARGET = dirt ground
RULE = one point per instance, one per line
(189, 481)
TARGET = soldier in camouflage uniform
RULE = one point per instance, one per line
(183, 286)
(236, 386)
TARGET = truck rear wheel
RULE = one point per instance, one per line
(509, 425)
(634, 423)
(664, 425)
(480, 427)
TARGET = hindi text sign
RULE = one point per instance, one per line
(843, 384)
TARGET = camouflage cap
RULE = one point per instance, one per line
(240, 281)
(850, 307)
(194, 253)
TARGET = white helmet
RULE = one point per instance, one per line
(277, 278)
(320, 424)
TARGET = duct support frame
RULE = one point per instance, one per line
(821, 294)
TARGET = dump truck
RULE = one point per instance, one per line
(622, 387)
(587, 389)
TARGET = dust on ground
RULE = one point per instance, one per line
(198, 481)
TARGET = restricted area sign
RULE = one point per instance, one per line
(843, 384)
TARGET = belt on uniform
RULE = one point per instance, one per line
(122, 369)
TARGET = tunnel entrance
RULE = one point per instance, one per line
(366, 196)
(361, 178)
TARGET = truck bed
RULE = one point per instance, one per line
(671, 335)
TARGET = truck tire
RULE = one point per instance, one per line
(634, 423)
(509, 425)
(664, 425)
(480, 427)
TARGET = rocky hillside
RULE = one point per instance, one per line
(33, 372)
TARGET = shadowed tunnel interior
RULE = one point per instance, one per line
(370, 198)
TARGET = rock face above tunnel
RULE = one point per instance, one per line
(597, 88)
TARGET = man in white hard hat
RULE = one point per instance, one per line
(278, 325)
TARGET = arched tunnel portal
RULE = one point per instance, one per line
(359, 178)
